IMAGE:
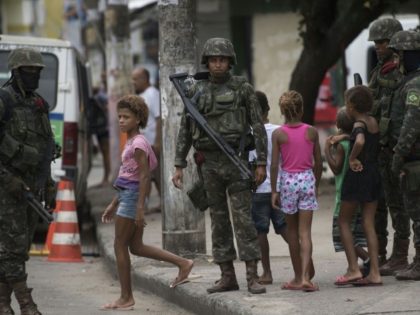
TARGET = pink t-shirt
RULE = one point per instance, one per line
(129, 169)
(297, 153)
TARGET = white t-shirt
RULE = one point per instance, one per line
(265, 187)
(152, 98)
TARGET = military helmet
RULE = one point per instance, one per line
(405, 40)
(384, 29)
(21, 57)
(218, 47)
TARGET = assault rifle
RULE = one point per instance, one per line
(190, 106)
(38, 207)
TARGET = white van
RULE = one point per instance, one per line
(64, 84)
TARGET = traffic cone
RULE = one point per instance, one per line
(65, 241)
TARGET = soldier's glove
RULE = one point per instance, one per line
(50, 194)
(397, 164)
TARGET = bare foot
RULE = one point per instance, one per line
(374, 278)
(290, 286)
(311, 269)
(308, 286)
(353, 275)
(184, 271)
(265, 278)
(294, 283)
(120, 304)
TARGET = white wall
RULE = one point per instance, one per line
(276, 49)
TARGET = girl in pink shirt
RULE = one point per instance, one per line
(138, 160)
(301, 167)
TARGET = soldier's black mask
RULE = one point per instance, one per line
(30, 79)
(411, 60)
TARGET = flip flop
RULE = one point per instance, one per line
(113, 307)
(289, 286)
(177, 282)
(365, 282)
(344, 280)
(310, 288)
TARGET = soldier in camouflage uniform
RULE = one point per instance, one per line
(230, 106)
(26, 141)
(386, 77)
(406, 159)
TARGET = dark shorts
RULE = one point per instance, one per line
(263, 212)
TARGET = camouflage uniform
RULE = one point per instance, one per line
(25, 140)
(230, 106)
(407, 149)
(386, 77)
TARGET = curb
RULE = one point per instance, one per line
(193, 297)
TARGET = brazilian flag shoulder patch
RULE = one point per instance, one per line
(413, 98)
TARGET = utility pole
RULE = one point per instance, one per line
(119, 65)
(94, 40)
(183, 225)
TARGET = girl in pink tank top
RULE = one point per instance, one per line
(298, 146)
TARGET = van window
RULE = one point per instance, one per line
(49, 76)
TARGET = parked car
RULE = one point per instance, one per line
(65, 85)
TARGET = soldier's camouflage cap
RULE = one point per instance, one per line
(405, 40)
(21, 57)
(218, 47)
(384, 29)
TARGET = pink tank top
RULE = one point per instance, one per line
(297, 152)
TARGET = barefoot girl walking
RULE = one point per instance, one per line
(138, 160)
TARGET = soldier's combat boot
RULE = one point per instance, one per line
(413, 270)
(228, 280)
(398, 260)
(252, 278)
(5, 293)
(382, 243)
(24, 298)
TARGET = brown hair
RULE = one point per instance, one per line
(291, 105)
(360, 97)
(137, 105)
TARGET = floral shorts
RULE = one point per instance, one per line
(297, 191)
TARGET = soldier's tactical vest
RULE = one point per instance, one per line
(225, 111)
(413, 81)
(389, 117)
(391, 127)
(25, 132)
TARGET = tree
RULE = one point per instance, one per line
(327, 28)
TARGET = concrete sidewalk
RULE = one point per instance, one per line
(393, 297)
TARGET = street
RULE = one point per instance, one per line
(82, 288)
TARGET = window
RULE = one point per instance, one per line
(49, 76)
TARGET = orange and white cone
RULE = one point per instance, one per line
(65, 244)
